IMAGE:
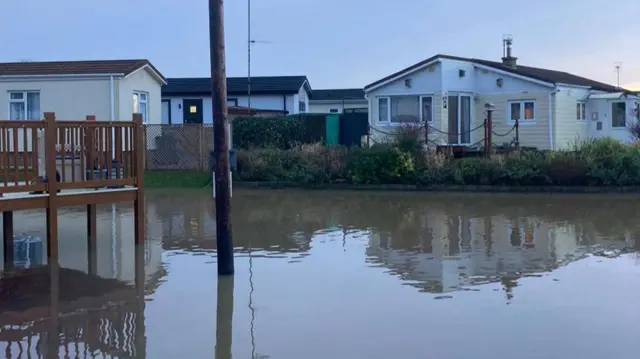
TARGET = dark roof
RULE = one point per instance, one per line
(551, 76)
(124, 67)
(338, 94)
(262, 85)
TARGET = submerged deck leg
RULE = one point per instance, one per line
(92, 240)
(7, 229)
(140, 332)
(52, 233)
(53, 335)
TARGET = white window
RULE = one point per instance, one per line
(302, 106)
(24, 105)
(140, 104)
(334, 110)
(581, 111)
(523, 111)
(405, 109)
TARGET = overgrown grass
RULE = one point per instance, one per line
(176, 179)
(602, 162)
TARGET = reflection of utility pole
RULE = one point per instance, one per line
(224, 317)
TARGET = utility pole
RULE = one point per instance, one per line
(249, 57)
(220, 138)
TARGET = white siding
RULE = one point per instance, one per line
(301, 96)
(427, 80)
(603, 109)
(143, 81)
(326, 106)
(451, 79)
(486, 82)
(70, 99)
(263, 102)
(568, 130)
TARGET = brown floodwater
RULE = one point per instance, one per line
(322, 274)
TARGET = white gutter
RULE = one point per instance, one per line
(112, 103)
(551, 133)
(57, 76)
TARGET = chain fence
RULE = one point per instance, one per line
(183, 147)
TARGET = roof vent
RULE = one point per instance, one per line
(507, 59)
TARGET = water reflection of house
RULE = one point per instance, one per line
(115, 242)
(462, 250)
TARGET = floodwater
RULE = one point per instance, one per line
(324, 274)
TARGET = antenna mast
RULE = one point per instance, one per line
(618, 65)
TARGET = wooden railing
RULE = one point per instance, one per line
(73, 154)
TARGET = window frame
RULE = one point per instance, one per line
(581, 111)
(25, 101)
(334, 110)
(139, 94)
(420, 98)
(624, 126)
(522, 120)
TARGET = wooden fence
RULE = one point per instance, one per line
(79, 154)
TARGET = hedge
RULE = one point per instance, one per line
(602, 162)
(278, 132)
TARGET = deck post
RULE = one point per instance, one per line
(92, 240)
(50, 134)
(7, 229)
(138, 205)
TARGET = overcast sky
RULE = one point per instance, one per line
(336, 43)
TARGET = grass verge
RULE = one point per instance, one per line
(176, 179)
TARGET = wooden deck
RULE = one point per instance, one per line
(50, 164)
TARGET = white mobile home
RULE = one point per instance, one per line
(554, 109)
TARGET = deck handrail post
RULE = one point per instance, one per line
(90, 147)
(138, 151)
(51, 186)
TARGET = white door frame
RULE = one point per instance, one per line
(459, 95)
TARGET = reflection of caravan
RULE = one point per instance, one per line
(27, 251)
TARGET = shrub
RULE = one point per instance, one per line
(382, 164)
(602, 162)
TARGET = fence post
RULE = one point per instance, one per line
(50, 153)
(426, 133)
(486, 138)
(517, 124)
(489, 140)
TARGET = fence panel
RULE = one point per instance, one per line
(178, 147)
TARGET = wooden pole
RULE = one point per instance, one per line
(7, 228)
(50, 138)
(138, 204)
(220, 138)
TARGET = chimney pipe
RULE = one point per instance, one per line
(507, 59)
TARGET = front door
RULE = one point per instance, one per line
(459, 119)
(192, 111)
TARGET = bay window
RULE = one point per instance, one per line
(405, 109)
(24, 105)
